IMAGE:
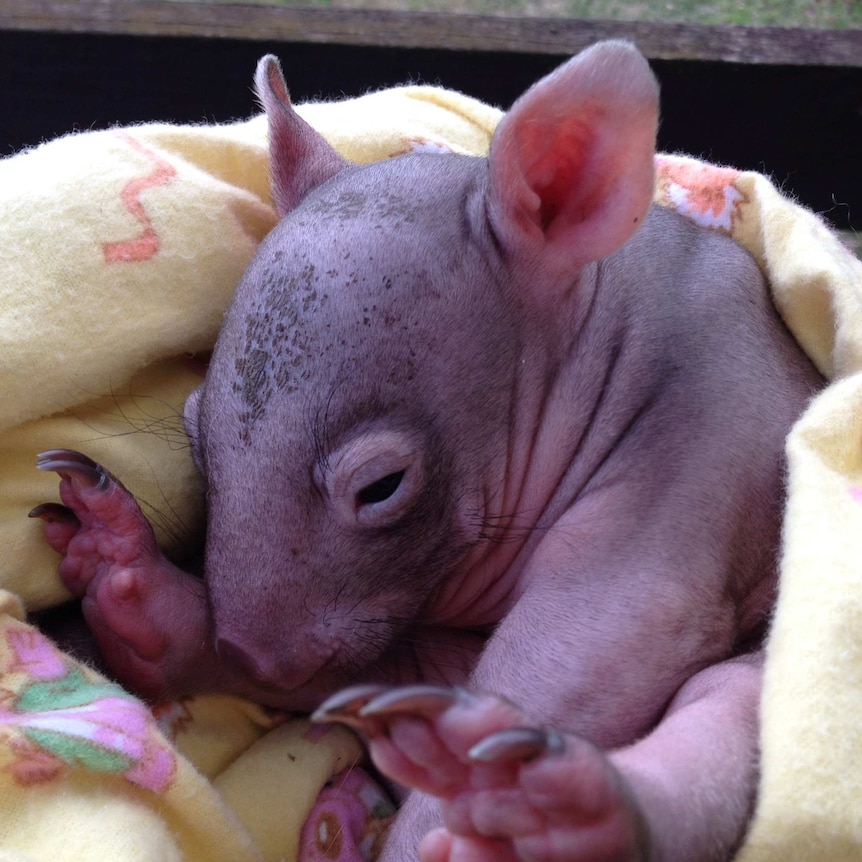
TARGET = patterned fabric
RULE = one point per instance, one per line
(54, 718)
(348, 821)
(62, 727)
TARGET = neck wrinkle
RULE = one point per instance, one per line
(507, 523)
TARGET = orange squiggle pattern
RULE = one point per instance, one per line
(146, 245)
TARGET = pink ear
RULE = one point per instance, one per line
(300, 158)
(571, 164)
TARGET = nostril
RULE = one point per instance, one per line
(235, 655)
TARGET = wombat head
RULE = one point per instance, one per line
(361, 424)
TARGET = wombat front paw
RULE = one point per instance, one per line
(507, 789)
(142, 610)
(100, 527)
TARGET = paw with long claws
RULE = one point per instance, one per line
(507, 789)
(148, 617)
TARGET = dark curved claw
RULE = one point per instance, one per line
(428, 700)
(75, 466)
(345, 705)
(517, 743)
(53, 513)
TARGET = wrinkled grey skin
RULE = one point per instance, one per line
(498, 422)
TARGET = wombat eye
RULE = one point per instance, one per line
(372, 480)
(380, 490)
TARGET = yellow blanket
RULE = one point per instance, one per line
(120, 252)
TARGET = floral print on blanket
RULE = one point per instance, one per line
(707, 194)
(53, 717)
(348, 821)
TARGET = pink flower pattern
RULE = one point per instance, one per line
(348, 822)
(57, 718)
(707, 194)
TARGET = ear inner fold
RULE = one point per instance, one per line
(572, 162)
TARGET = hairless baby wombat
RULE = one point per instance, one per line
(492, 423)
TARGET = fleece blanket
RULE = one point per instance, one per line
(120, 252)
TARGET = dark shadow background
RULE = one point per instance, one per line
(802, 125)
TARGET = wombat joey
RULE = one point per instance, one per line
(492, 423)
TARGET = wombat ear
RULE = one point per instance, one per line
(571, 165)
(300, 158)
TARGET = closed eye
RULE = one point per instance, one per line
(380, 490)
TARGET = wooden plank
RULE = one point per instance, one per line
(658, 40)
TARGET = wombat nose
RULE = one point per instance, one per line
(240, 659)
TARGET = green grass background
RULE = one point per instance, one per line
(783, 13)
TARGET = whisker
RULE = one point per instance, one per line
(506, 528)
